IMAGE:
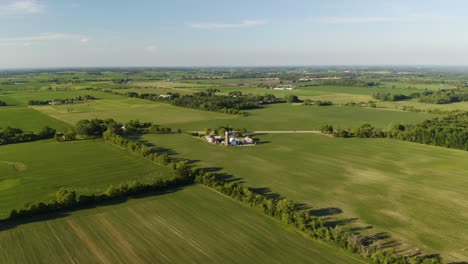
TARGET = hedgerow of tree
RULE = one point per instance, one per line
(443, 96)
(74, 100)
(11, 135)
(449, 131)
(289, 213)
(184, 174)
(66, 199)
(234, 103)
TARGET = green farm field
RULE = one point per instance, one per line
(167, 84)
(156, 90)
(300, 117)
(124, 109)
(32, 172)
(463, 106)
(270, 117)
(22, 98)
(193, 225)
(417, 193)
(28, 119)
(339, 94)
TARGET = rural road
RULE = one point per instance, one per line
(278, 132)
(288, 132)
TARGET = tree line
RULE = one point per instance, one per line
(62, 101)
(2, 103)
(67, 198)
(449, 131)
(289, 213)
(10, 135)
(234, 103)
(443, 96)
(96, 127)
(345, 82)
(390, 97)
(317, 103)
(284, 210)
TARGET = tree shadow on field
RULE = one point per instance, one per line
(10, 224)
(161, 150)
(303, 207)
(267, 192)
(380, 240)
(260, 142)
(212, 169)
(378, 237)
(329, 215)
(357, 229)
(6, 224)
(156, 149)
(259, 134)
(325, 211)
(334, 222)
(216, 171)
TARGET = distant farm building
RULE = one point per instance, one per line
(283, 88)
(230, 139)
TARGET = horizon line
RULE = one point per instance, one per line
(236, 66)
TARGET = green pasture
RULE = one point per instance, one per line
(235, 81)
(425, 106)
(417, 193)
(301, 117)
(156, 90)
(32, 172)
(193, 225)
(22, 98)
(418, 85)
(28, 119)
(270, 117)
(124, 109)
(167, 84)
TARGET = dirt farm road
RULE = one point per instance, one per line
(287, 132)
(277, 132)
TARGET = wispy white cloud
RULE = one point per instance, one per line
(383, 19)
(44, 37)
(151, 48)
(242, 24)
(22, 7)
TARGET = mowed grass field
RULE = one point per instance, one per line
(28, 119)
(417, 193)
(32, 172)
(193, 225)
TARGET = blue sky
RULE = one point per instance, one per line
(60, 33)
